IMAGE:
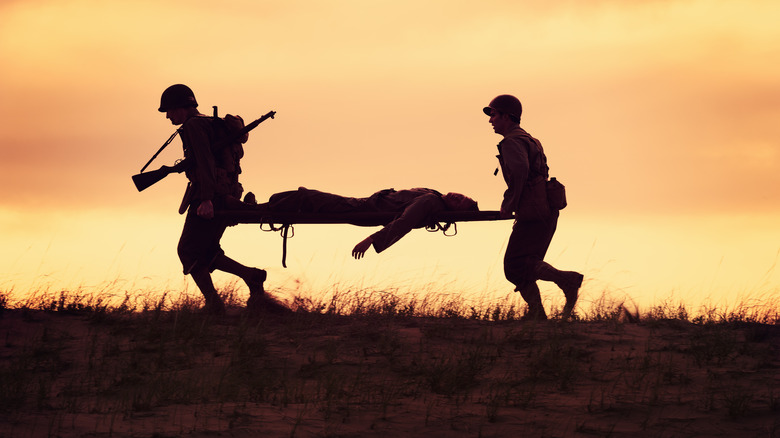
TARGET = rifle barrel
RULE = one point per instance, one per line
(253, 125)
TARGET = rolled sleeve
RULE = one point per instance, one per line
(414, 216)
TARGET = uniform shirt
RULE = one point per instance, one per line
(517, 166)
(214, 166)
(197, 134)
(416, 207)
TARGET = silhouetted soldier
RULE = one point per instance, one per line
(523, 164)
(212, 169)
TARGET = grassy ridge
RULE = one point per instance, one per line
(370, 364)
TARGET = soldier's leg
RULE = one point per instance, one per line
(198, 248)
(253, 277)
(532, 296)
(202, 278)
(540, 235)
(569, 282)
(518, 264)
(306, 200)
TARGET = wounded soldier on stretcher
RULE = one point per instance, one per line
(415, 206)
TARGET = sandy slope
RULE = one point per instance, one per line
(180, 373)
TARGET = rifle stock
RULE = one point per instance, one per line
(144, 180)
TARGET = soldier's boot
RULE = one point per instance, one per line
(255, 282)
(214, 304)
(259, 301)
(254, 279)
(533, 298)
(569, 282)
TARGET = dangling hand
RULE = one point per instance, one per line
(360, 248)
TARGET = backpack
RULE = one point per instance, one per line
(228, 153)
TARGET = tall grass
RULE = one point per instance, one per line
(154, 363)
(356, 301)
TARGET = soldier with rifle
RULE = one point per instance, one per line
(212, 151)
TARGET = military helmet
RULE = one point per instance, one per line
(177, 96)
(505, 103)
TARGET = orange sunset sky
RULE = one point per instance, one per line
(661, 117)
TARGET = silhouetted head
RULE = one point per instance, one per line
(178, 103)
(459, 202)
(177, 96)
(504, 112)
(506, 104)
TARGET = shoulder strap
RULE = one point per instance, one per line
(534, 170)
(537, 161)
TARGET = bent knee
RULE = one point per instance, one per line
(519, 271)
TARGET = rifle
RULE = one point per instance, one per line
(144, 180)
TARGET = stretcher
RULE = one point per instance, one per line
(444, 221)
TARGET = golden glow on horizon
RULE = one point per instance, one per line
(649, 111)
